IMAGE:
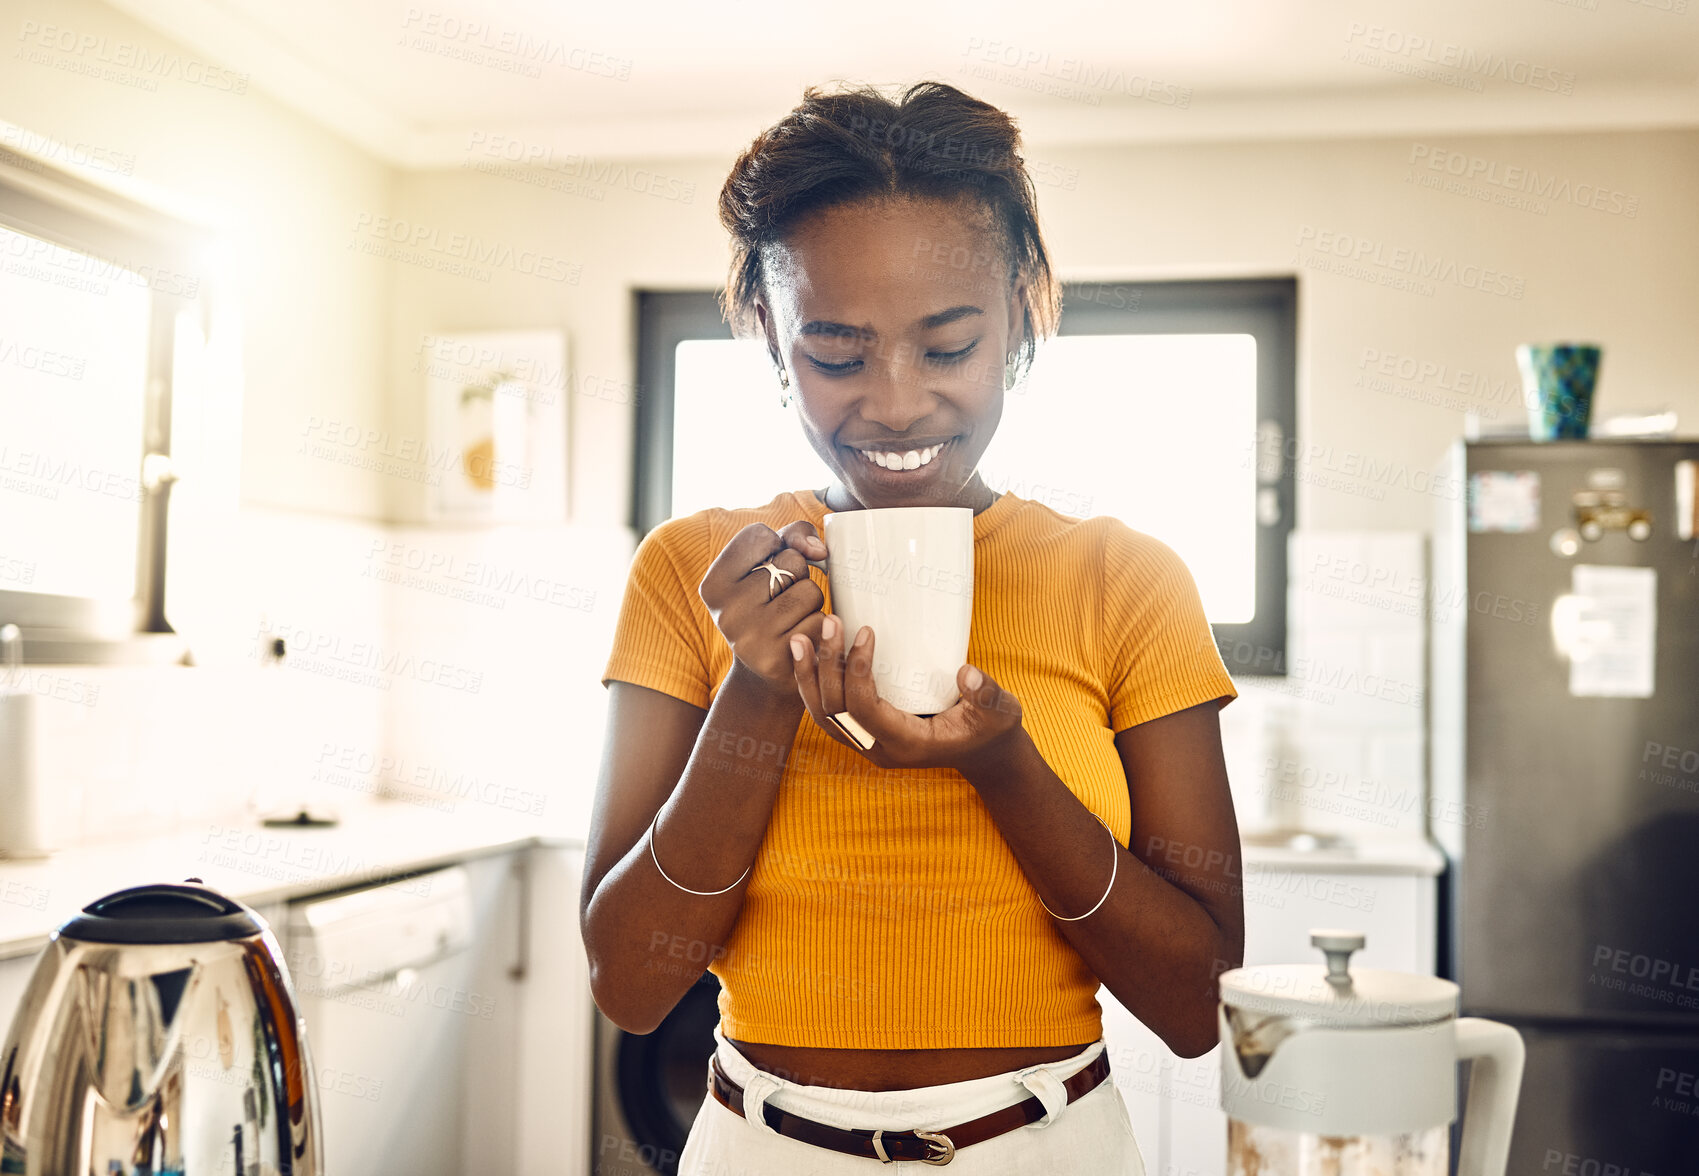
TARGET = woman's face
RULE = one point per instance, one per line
(894, 320)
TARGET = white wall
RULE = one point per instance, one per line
(612, 239)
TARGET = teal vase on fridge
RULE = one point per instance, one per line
(1557, 382)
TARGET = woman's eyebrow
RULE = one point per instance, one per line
(931, 321)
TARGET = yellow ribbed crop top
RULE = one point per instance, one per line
(884, 909)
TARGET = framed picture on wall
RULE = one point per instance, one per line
(496, 426)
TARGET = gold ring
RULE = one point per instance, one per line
(774, 584)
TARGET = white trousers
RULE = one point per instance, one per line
(1091, 1135)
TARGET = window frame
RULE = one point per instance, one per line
(1264, 308)
(1267, 310)
(664, 318)
(54, 205)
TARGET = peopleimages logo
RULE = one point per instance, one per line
(1351, 472)
(879, 574)
(1637, 974)
(1066, 71)
(513, 50)
(80, 154)
(1412, 53)
(348, 443)
(1511, 179)
(1559, 1163)
(146, 66)
(1411, 262)
(31, 257)
(362, 662)
(21, 354)
(427, 244)
(43, 475)
(598, 173)
(1438, 383)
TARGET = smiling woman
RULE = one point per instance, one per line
(910, 933)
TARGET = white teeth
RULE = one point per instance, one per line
(913, 459)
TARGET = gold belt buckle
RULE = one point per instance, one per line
(932, 1138)
(937, 1139)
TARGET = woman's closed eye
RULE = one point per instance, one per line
(942, 358)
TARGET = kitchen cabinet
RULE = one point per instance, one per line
(479, 1061)
(1174, 1102)
(555, 1067)
(411, 994)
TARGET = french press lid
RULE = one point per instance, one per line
(1337, 995)
(163, 912)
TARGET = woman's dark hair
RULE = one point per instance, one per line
(935, 142)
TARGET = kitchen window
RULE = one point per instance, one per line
(1168, 405)
(100, 309)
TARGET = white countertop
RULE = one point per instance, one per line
(255, 864)
(1366, 853)
(381, 839)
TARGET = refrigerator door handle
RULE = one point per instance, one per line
(1686, 500)
(1496, 1054)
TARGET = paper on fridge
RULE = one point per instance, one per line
(1615, 630)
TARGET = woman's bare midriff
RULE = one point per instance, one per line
(894, 1069)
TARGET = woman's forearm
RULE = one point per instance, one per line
(648, 941)
(1153, 945)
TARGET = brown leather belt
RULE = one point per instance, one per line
(932, 1147)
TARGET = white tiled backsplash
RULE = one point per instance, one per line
(127, 751)
(457, 667)
(521, 619)
(1339, 743)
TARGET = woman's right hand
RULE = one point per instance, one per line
(757, 628)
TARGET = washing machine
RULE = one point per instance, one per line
(649, 1086)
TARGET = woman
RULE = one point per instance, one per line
(909, 937)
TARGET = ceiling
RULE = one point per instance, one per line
(417, 82)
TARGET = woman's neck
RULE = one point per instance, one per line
(978, 495)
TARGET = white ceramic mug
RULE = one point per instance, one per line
(906, 572)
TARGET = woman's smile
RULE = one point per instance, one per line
(897, 457)
(899, 466)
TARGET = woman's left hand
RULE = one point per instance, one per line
(977, 726)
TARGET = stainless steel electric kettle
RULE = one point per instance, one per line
(159, 1036)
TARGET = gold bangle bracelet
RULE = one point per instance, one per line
(1114, 867)
(668, 877)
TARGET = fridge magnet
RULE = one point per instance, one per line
(1504, 500)
(496, 426)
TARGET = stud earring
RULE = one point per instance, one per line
(785, 383)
